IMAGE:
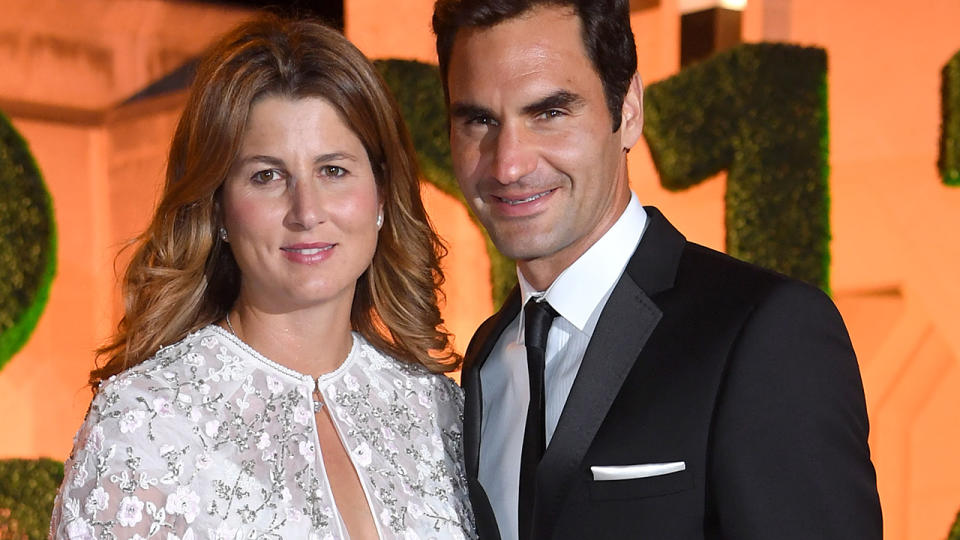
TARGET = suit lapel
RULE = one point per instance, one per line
(626, 323)
(477, 353)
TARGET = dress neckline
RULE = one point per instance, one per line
(257, 356)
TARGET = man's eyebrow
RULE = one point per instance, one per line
(561, 99)
(468, 110)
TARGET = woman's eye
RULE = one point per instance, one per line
(265, 176)
(333, 171)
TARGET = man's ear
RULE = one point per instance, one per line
(631, 119)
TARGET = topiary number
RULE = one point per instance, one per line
(27, 242)
(27, 491)
(760, 112)
(949, 161)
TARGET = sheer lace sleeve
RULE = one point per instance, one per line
(450, 419)
(122, 479)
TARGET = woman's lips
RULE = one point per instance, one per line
(308, 253)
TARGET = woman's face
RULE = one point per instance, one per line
(300, 206)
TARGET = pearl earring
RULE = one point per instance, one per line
(223, 234)
(379, 220)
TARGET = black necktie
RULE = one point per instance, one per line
(538, 316)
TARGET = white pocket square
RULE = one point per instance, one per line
(629, 472)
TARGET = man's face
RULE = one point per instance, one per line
(531, 139)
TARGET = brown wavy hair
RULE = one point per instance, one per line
(183, 277)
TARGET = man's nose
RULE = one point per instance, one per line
(514, 156)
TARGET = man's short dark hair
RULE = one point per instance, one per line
(607, 37)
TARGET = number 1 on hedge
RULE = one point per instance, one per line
(758, 111)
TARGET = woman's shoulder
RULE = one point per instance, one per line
(403, 370)
(198, 354)
(435, 391)
(168, 387)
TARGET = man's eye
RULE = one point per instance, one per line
(333, 171)
(552, 113)
(266, 176)
(481, 120)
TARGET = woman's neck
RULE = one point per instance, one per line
(314, 340)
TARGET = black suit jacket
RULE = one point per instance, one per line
(743, 374)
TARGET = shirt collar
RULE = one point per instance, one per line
(580, 288)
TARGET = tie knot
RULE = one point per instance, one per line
(538, 315)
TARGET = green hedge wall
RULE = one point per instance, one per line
(27, 490)
(28, 244)
(416, 86)
(758, 111)
(949, 162)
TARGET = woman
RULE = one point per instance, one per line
(277, 371)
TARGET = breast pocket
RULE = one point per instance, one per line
(635, 488)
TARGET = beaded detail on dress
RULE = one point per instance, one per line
(209, 439)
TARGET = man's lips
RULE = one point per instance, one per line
(515, 200)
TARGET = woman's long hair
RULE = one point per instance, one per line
(183, 277)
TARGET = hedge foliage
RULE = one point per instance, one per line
(27, 490)
(758, 111)
(417, 88)
(955, 530)
(949, 161)
(27, 242)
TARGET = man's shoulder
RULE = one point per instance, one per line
(719, 278)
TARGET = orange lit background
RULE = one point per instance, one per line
(69, 68)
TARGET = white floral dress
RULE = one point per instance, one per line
(209, 439)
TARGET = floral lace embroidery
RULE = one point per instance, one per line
(208, 439)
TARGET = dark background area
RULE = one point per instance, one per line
(330, 11)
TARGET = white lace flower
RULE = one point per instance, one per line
(351, 382)
(163, 407)
(97, 500)
(274, 385)
(208, 342)
(301, 415)
(242, 403)
(263, 441)
(204, 389)
(211, 427)
(193, 359)
(307, 450)
(79, 529)
(293, 515)
(130, 512)
(184, 502)
(424, 399)
(223, 532)
(362, 455)
(195, 415)
(131, 420)
(80, 477)
(95, 439)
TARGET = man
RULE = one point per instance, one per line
(680, 393)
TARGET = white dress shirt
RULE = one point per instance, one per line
(578, 295)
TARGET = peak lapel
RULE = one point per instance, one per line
(626, 323)
(477, 352)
